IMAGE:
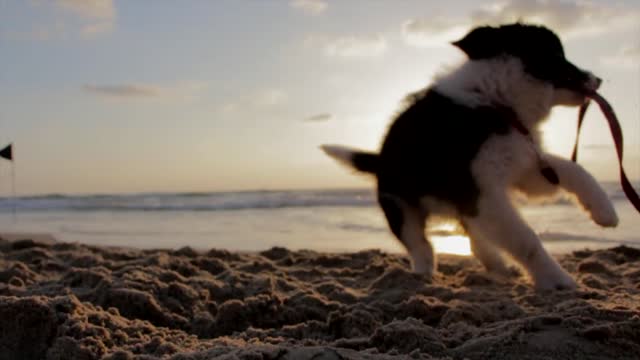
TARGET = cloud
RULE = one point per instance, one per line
(95, 29)
(124, 91)
(271, 97)
(53, 19)
(432, 32)
(626, 57)
(267, 98)
(90, 9)
(182, 90)
(313, 7)
(37, 32)
(349, 46)
(228, 108)
(94, 17)
(568, 18)
(322, 117)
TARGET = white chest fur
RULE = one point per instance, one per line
(503, 159)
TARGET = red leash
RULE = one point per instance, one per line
(616, 132)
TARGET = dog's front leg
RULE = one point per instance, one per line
(577, 181)
(500, 223)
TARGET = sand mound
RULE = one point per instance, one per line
(71, 301)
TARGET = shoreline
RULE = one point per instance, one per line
(68, 300)
(455, 244)
(35, 236)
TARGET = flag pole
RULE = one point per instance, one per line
(7, 153)
(13, 191)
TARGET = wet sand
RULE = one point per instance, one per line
(73, 301)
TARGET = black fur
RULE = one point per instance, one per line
(539, 49)
(432, 133)
(365, 162)
(393, 213)
(429, 148)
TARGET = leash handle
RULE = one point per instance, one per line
(616, 133)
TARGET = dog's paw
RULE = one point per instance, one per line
(601, 210)
(559, 281)
(549, 275)
(423, 263)
(604, 214)
(501, 269)
(606, 219)
(424, 270)
(508, 272)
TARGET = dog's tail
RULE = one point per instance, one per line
(359, 160)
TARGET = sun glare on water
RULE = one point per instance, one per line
(451, 244)
(447, 238)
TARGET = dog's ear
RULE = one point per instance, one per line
(481, 43)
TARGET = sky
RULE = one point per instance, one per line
(108, 96)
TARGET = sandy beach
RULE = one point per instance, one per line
(72, 301)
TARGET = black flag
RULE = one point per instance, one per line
(7, 152)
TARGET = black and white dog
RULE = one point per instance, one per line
(463, 145)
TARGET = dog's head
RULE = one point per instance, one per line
(541, 53)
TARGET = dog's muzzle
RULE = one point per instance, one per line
(593, 83)
(573, 78)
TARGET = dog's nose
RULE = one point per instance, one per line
(594, 82)
(597, 82)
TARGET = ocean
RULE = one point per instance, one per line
(322, 220)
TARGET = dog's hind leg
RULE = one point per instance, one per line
(487, 253)
(407, 223)
(499, 222)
